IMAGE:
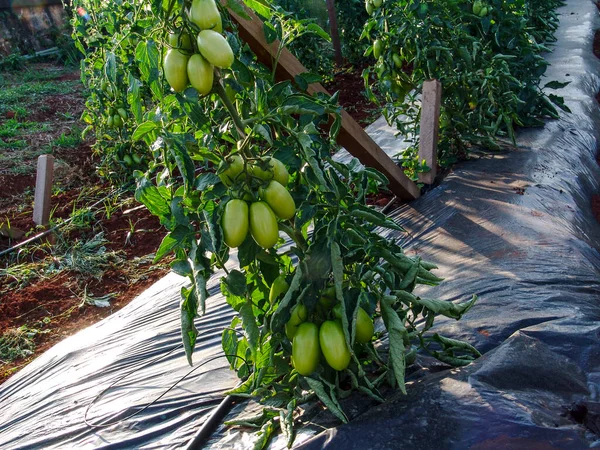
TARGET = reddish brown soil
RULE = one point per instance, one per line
(53, 305)
(351, 86)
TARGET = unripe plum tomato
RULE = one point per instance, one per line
(205, 14)
(279, 199)
(122, 113)
(364, 324)
(280, 172)
(263, 169)
(377, 48)
(180, 40)
(298, 315)
(305, 349)
(215, 48)
(333, 344)
(279, 287)
(377, 3)
(230, 168)
(263, 225)
(327, 299)
(200, 74)
(175, 69)
(235, 222)
(369, 7)
(117, 121)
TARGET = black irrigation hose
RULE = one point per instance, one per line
(209, 426)
(60, 225)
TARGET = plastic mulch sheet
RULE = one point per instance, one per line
(516, 228)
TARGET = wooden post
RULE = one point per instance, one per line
(43, 189)
(430, 125)
(335, 36)
(351, 136)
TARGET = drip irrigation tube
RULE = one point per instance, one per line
(60, 225)
(211, 424)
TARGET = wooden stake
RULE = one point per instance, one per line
(43, 189)
(352, 136)
(335, 36)
(430, 125)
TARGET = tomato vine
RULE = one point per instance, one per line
(243, 162)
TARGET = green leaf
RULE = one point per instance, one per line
(143, 129)
(229, 342)
(316, 29)
(206, 180)
(270, 33)
(261, 7)
(337, 265)
(237, 8)
(375, 217)
(189, 333)
(175, 239)
(183, 161)
(556, 85)
(150, 195)
(447, 309)
(134, 98)
(236, 283)
(319, 389)
(111, 67)
(397, 332)
(250, 326)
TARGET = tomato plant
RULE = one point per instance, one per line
(487, 55)
(245, 166)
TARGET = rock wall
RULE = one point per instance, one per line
(27, 28)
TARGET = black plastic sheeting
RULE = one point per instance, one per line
(516, 228)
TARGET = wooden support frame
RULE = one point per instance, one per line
(351, 136)
(430, 124)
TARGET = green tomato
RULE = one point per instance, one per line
(298, 315)
(230, 168)
(179, 40)
(305, 349)
(215, 48)
(117, 121)
(263, 169)
(280, 172)
(110, 122)
(377, 3)
(484, 12)
(205, 14)
(263, 225)
(122, 113)
(364, 324)
(200, 74)
(369, 7)
(397, 60)
(328, 298)
(137, 159)
(279, 199)
(279, 286)
(377, 48)
(333, 344)
(235, 222)
(127, 160)
(175, 69)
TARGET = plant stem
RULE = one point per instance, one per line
(237, 120)
(295, 235)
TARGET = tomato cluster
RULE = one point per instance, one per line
(269, 177)
(323, 334)
(183, 66)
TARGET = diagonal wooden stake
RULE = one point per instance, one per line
(351, 136)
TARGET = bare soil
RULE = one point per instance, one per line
(53, 305)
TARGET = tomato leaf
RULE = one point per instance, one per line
(446, 308)
(236, 283)
(175, 239)
(250, 326)
(328, 401)
(189, 333)
(282, 313)
(397, 332)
